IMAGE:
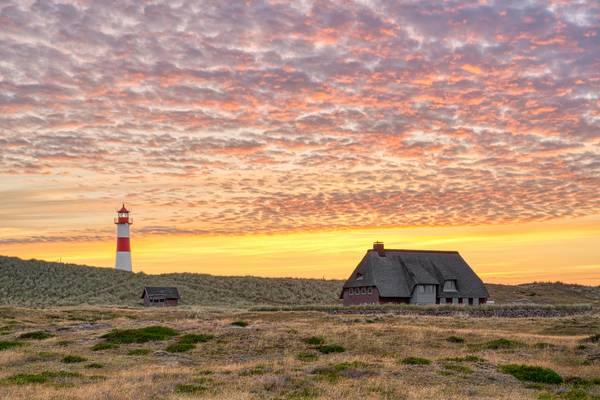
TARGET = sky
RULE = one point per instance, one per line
(282, 138)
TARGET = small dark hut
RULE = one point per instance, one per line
(155, 296)
(413, 277)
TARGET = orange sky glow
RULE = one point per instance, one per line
(282, 138)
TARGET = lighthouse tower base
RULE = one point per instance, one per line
(123, 262)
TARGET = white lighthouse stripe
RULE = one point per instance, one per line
(123, 262)
(123, 230)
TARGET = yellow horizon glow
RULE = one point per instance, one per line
(564, 249)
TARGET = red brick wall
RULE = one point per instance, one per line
(357, 299)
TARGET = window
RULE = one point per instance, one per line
(363, 290)
(351, 291)
(370, 290)
(359, 276)
(470, 301)
(448, 300)
(450, 286)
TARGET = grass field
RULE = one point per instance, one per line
(217, 353)
(33, 283)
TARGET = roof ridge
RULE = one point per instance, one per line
(420, 251)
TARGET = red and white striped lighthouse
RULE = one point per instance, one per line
(123, 261)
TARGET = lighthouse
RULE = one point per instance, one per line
(123, 261)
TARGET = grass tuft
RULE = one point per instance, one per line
(531, 373)
(138, 352)
(43, 377)
(242, 324)
(36, 335)
(455, 339)
(502, 344)
(463, 369)
(141, 335)
(190, 388)
(180, 347)
(94, 366)
(331, 348)
(415, 361)
(469, 358)
(104, 346)
(73, 359)
(5, 345)
(315, 340)
(195, 338)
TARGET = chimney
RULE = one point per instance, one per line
(378, 246)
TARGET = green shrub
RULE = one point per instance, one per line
(190, 388)
(331, 348)
(501, 344)
(141, 335)
(463, 369)
(73, 359)
(239, 323)
(9, 345)
(180, 347)
(43, 377)
(36, 335)
(195, 338)
(455, 339)
(315, 340)
(138, 352)
(306, 356)
(415, 361)
(469, 358)
(532, 373)
(104, 346)
(95, 366)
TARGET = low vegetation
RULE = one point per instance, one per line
(331, 348)
(73, 359)
(139, 352)
(42, 377)
(5, 345)
(63, 284)
(502, 344)
(141, 335)
(405, 357)
(415, 361)
(241, 324)
(532, 373)
(36, 335)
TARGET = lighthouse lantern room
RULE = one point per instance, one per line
(123, 260)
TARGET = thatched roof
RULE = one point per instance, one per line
(395, 273)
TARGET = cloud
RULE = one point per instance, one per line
(275, 116)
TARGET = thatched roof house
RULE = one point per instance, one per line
(413, 276)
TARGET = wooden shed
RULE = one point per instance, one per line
(156, 296)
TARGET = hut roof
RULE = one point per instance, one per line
(395, 273)
(161, 292)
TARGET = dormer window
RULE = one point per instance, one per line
(450, 286)
(359, 276)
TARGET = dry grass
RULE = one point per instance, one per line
(261, 360)
(35, 283)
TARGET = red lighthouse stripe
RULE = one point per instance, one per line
(123, 244)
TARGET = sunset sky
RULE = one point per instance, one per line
(283, 138)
